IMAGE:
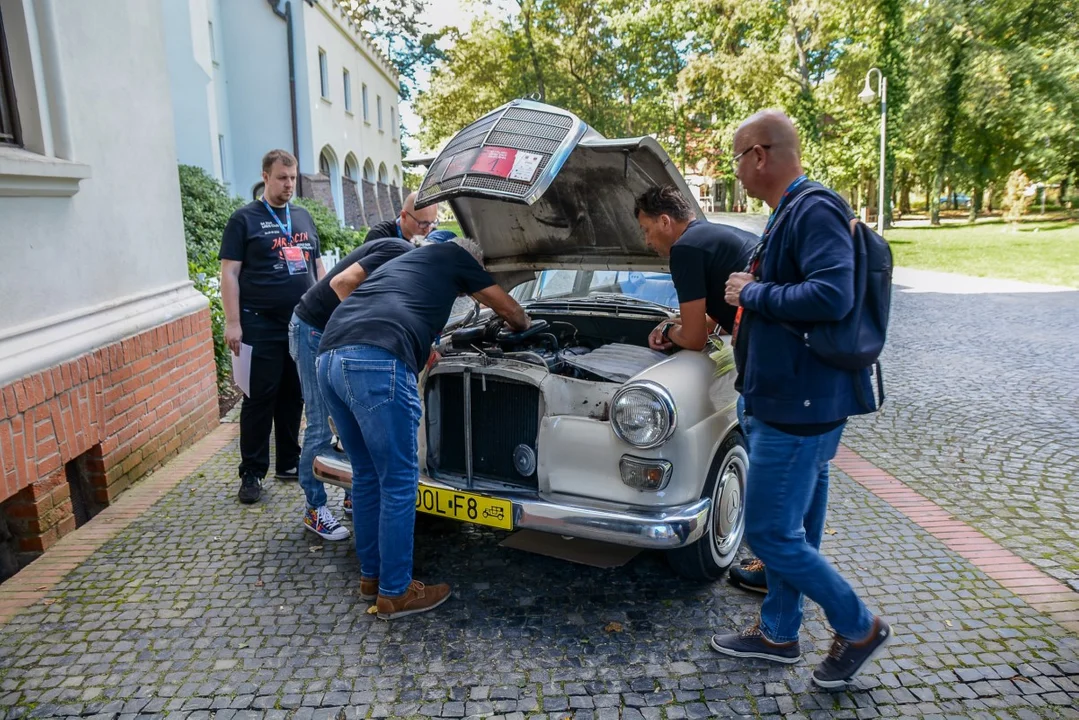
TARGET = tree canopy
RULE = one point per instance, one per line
(975, 89)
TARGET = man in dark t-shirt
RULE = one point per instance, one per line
(269, 258)
(375, 345)
(305, 332)
(702, 256)
(410, 223)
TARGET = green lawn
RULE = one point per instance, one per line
(1045, 252)
(453, 227)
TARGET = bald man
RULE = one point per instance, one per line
(409, 224)
(794, 407)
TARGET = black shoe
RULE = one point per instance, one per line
(751, 643)
(846, 658)
(250, 489)
(749, 576)
(293, 474)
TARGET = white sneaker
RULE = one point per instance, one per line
(322, 522)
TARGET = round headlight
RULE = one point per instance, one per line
(643, 415)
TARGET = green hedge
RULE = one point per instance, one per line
(207, 208)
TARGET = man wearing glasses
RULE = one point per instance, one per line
(793, 405)
(409, 224)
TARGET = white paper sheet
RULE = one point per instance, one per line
(241, 369)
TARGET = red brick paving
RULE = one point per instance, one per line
(1040, 591)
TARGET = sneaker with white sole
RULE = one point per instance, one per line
(322, 522)
(751, 643)
(847, 658)
(346, 505)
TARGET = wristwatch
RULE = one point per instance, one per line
(667, 331)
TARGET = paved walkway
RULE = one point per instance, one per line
(179, 602)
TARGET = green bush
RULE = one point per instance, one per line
(207, 208)
(332, 235)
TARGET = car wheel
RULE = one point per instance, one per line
(709, 557)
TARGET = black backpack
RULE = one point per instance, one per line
(856, 341)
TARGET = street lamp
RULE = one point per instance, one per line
(868, 96)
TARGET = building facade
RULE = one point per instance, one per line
(106, 354)
(251, 75)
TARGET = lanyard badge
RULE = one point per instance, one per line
(287, 229)
(294, 258)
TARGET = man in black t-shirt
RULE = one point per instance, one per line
(305, 332)
(375, 345)
(702, 256)
(269, 257)
(409, 224)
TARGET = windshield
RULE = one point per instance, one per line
(641, 285)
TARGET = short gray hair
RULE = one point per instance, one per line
(471, 246)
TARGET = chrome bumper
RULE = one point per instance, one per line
(661, 529)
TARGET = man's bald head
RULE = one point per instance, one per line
(771, 128)
(417, 222)
(769, 154)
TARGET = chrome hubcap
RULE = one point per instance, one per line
(728, 516)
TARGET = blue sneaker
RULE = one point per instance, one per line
(846, 659)
(751, 643)
(750, 576)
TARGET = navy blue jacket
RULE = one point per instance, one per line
(806, 276)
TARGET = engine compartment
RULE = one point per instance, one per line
(608, 348)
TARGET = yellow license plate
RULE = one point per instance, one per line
(466, 507)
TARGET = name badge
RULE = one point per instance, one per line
(294, 260)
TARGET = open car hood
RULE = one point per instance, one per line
(540, 189)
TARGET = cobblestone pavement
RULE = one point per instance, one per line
(204, 608)
(983, 416)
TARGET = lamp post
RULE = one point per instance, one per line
(867, 96)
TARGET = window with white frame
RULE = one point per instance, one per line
(9, 118)
(221, 156)
(347, 79)
(366, 109)
(378, 109)
(324, 73)
(393, 123)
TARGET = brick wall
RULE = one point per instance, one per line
(110, 416)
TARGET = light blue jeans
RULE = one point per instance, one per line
(303, 340)
(375, 404)
(786, 506)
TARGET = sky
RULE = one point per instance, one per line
(439, 14)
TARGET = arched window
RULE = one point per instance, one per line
(369, 171)
(383, 174)
(328, 166)
(352, 171)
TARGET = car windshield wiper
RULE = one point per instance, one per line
(620, 298)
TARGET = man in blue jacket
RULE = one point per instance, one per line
(795, 406)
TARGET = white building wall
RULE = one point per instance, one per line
(109, 259)
(187, 49)
(327, 29)
(253, 57)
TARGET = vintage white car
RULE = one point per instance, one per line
(573, 427)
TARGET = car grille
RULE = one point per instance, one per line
(526, 129)
(505, 414)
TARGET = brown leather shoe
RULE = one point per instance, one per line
(418, 598)
(368, 588)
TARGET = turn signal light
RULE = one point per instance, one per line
(648, 474)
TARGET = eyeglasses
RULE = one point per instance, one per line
(736, 158)
(424, 224)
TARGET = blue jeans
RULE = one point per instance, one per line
(786, 504)
(303, 340)
(374, 401)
